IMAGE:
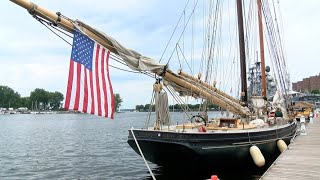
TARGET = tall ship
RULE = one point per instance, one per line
(257, 123)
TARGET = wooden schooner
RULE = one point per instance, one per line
(248, 136)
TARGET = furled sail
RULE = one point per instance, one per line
(136, 61)
(133, 59)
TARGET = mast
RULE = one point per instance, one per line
(244, 96)
(132, 59)
(263, 65)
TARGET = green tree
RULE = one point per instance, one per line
(38, 97)
(55, 99)
(146, 107)
(139, 107)
(8, 97)
(117, 101)
(177, 107)
(25, 102)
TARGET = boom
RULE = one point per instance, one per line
(136, 61)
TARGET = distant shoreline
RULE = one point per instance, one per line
(40, 112)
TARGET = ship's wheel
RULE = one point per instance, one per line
(198, 118)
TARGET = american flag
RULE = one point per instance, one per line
(89, 87)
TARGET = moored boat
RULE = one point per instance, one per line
(217, 148)
(248, 136)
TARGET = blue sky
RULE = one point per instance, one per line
(32, 57)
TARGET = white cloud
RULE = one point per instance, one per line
(301, 37)
(32, 57)
(134, 92)
(24, 78)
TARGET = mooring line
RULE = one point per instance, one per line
(145, 161)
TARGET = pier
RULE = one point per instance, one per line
(302, 158)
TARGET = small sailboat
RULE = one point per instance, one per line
(246, 134)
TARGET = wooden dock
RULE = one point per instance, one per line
(301, 160)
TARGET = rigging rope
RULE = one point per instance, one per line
(144, 159)
(178, 57)
(149, 113)
(179, 100)
(49, 25)
(174, 31)
(184, 58)
(183, 29)
(273, 43)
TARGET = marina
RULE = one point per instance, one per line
(301, 159)
(259, 105)
(221, 102)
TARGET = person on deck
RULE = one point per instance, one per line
(278, 113)
(278, 116)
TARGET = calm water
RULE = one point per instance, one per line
(78, 146)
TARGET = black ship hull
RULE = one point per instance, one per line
(218, 149)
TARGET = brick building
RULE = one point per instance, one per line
(307, 84)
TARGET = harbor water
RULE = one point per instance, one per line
(80, 146)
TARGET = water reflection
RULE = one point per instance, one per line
(203, 173)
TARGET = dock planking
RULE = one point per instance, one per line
(301, 160)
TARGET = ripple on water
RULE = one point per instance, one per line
(68, 147)
(72, 146)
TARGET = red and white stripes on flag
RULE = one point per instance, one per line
(89, 87)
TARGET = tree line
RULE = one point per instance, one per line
(39, 99)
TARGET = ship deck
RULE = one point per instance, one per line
(213, 128)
